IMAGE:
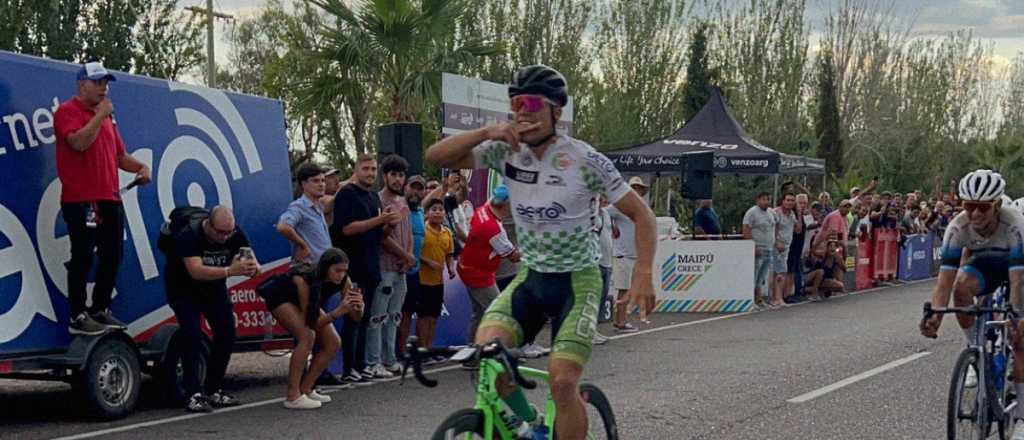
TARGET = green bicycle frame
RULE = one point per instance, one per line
(489, 402)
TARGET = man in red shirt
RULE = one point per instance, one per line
(835, 225)
(486, 244)
(89, 153)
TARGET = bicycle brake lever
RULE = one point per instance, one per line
(417, 369)
(512, 364)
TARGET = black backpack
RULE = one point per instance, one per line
(179, 219)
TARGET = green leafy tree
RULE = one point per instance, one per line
(168, 42)
(405, 43)
(272, 55)
(108, 32)
(12, 22)
(639, 91)
(699, 74)
(1012, 105)
(827, 124)
(51, 28)
(760, 48)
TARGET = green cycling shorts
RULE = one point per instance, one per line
(569, 299)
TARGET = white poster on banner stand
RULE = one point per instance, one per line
(704, 276)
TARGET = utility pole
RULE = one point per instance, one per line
(211, 63)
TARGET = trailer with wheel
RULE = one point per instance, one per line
(206, 147)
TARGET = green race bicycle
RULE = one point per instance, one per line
(485, 420)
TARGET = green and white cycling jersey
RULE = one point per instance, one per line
(554, 199)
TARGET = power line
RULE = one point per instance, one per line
(211, 15)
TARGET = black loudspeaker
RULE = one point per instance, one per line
(698, 175)
(403, 139)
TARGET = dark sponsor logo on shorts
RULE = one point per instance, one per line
(520, 175)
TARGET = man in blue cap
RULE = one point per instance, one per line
(486, 245)
(90, 151)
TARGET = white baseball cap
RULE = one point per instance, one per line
(95, 71)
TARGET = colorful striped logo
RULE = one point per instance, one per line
(705, 305)
(674, 280)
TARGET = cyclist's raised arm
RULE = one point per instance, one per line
(456, 151)
(468, 150)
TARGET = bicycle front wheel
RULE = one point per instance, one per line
(465, 424)
(967, 415)
(600, 418)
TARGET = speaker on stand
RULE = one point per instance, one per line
(698, 179)
(404, 139)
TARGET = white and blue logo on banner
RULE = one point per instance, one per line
(205, 147)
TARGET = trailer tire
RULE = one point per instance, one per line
(110, 380)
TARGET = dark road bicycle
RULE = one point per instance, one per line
(973, 412)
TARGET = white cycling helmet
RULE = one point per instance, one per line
(1007, 201)
(1018, 205)
(982, 186)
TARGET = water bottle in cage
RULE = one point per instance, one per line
(998, 369)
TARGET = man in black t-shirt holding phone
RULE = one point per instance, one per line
(359, 227)
(205, 256)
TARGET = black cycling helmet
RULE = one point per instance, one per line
(541, 80)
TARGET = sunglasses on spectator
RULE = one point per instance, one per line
(529, 103)
(220, 233)
(981, 207)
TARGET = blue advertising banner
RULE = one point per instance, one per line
(916, 257)
(205, 147)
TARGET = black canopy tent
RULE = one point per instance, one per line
(713, 129)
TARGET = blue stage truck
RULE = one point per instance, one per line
(206, 147)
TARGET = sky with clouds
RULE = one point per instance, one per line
(998, 21)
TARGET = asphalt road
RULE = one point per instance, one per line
(688, 377)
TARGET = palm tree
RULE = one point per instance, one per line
(398, 46)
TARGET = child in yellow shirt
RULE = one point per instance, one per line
(438, 248)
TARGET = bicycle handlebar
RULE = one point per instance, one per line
(509, 357)
(975, 311)
(929, 311)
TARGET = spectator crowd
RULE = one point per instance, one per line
(371, 254)
(384, 242)
(801, 243)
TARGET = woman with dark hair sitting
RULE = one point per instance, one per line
(295, 299)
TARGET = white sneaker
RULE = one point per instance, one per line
(318, 397)
(379, 372)
(971, 381)
(302, 402)
(534, 350)
(600, 339)
(395, 368)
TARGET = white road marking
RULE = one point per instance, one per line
(857, 378)
(224, 410)
(737, 315)
(157, 422)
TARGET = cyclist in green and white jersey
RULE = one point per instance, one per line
(554, 182)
